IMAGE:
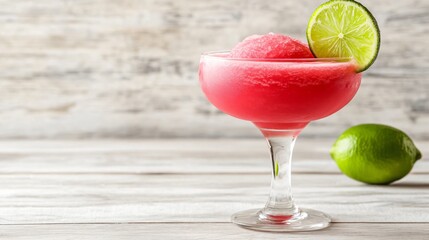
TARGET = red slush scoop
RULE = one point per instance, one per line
(271, 46)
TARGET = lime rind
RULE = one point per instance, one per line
(344, 28)
(375, 153)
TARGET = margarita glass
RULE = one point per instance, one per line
(279, 96)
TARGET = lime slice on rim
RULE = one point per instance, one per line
(344, 28)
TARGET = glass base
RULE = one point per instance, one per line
(304, 220)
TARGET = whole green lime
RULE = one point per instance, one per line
(375, 153)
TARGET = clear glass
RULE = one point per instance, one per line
(280, 96)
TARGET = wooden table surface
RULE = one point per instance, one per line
(187, 189)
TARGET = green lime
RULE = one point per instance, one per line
(374, 153)
(344, 28)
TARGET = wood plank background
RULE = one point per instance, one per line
(128, 69)
(210, 231)
(120, 189)
(189, 181)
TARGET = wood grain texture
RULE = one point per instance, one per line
(172, 189)
(209, 231)
(119, 198)
(79, 69)
(184, 156)
(126, 181)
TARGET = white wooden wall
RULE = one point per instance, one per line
(123, 68)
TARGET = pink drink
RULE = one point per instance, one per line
(275, 82)
(278, 93)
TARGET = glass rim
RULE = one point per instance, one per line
(214, 54)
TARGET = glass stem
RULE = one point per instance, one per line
(280, 205)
